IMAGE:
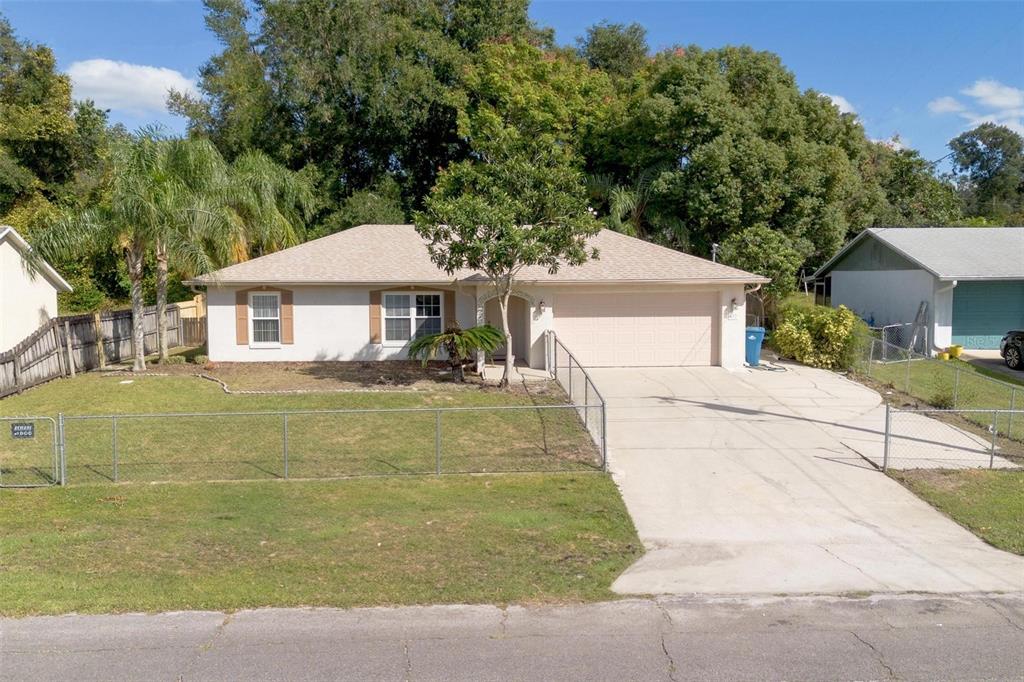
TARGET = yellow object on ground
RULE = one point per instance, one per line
(955, 351)
(944, 355)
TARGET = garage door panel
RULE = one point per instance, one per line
(624, 330)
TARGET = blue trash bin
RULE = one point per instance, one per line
(755, 336)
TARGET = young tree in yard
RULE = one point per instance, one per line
(502, 215)
(766, 252)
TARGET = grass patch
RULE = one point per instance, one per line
(247, 446)
(935, 383)
(457, 539)
(988, 502)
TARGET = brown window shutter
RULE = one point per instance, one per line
(375, 336)
(287, 318)
(242, 318)
(450, 318)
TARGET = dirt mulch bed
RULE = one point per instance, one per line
(331, 376)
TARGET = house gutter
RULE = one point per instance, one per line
(952, 285)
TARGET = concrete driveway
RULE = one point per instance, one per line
(991, 359)
(751, 482)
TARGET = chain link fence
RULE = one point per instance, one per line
(325, 443)
(949, 439)
(944, 385)
(78, 449)
(582, 391)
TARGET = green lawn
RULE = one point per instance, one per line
(934, 382)
(988, 502)
(454, 539)
(252, 446)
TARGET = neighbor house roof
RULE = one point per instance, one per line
(398, 254)
(967, 253)
(11, 236)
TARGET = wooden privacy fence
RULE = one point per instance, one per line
(76, 343)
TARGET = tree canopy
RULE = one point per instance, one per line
(342, 112)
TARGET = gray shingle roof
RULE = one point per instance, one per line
(397, 254)
(952, 252)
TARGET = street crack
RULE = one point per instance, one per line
(878, 655)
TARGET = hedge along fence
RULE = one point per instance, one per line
(76, 343)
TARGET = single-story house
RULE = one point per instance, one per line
(970, 280)
(28, 294)
(364, 293)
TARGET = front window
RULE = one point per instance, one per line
(408, 316)
(265, 313)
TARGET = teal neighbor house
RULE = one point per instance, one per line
(964, 284)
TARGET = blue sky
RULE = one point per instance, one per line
(923, 70)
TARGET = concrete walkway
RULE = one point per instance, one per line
(905, 637)
(752, 482)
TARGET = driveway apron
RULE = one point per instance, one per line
(753, 482)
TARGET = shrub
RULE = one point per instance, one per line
(200, 359)
(819, 336)
(174, 360)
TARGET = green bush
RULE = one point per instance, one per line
(200, 359)
(174, 360)
(819, 336)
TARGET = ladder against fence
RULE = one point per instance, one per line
(73, 343)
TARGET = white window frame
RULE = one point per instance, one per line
(252, 318)
(410, 315)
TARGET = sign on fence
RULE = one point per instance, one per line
(23, 430)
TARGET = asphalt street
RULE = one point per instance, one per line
(905, 637)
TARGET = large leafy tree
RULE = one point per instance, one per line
(615, 48)
(362, 90)
(910, 192)
(989, 162)
(733, 143)
(766, 252)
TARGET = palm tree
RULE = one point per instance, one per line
(125, 220)
(633, 208)
(459, 344)
(179, 200)
(214, 214)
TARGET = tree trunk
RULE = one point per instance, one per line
(503, 297)
(136, 256)
(161, 299)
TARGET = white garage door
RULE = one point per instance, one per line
(639, 330)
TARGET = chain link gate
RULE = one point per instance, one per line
(29, 452)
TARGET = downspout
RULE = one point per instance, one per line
(935, 295)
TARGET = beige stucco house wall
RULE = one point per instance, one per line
(637, 305)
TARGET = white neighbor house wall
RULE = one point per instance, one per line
(331, 322)
(27, 300)
(894, 296)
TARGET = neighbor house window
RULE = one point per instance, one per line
(408, 316)
(265, 314)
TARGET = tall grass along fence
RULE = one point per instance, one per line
(296, 444)
(76, 343)
(944, 385)
(950, 439)
(573, 378)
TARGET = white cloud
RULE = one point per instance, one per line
(945, 105)
(895, 142)
(841, 103)
(993, 102)
(131, 88)
(995, 95)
